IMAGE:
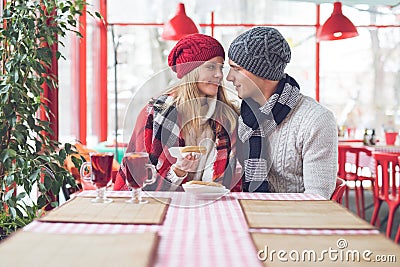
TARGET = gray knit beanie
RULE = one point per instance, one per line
(263, 51)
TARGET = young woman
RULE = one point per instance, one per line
(194, 112)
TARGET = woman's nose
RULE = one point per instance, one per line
(219, 73)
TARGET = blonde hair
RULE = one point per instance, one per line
(187, 100)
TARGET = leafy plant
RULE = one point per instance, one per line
(28, 156)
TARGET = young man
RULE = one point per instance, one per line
(288, 140)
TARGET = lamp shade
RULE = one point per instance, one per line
(179, 26)
(337, 26)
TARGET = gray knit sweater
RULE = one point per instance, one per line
(304, 151)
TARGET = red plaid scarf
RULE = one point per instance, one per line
(162, 131)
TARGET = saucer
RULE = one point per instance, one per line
(204, 189)
(211, 196)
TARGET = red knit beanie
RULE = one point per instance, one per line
(193, 50)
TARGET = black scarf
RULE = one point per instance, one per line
(253, 145)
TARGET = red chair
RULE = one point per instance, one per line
(339, 190)
(386, 187)
(358, 158)
(397, 238)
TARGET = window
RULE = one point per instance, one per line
(359, 77)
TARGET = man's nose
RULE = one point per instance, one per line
(229, 77)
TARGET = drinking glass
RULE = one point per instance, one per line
(390, 138)
(99, 174)
(137, 175)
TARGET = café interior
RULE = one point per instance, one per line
(344, 54)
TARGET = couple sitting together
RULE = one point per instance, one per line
(285, 141)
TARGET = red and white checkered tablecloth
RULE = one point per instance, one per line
(316, 231)
(196, 232)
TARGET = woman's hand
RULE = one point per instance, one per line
(187, 163)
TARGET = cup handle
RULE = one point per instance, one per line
(85, 177)
(153, 175)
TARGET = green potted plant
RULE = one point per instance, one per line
(28, 156)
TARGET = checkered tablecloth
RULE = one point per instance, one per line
(196, 232)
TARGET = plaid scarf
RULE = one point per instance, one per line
(253, 147)
(162, 131)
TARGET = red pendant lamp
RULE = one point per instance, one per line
(337, 26)
(179, 26)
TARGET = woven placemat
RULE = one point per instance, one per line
(65, 250)
(325, 250)
(81, 209)
(305, 214)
